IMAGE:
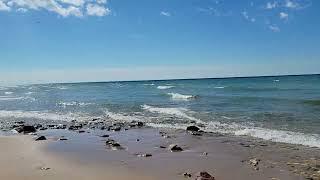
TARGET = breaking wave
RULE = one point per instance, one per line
(165, 87)
(74, 103)
(43, 115)
(177, 96)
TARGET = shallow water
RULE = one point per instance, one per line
(283, 109)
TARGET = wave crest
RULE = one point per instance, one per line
(177, 96)
(165, 87)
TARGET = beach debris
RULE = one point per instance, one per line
(205, 154)
(63, 139)
(81, 131)
(137, 140)
(175, 148)
(26, 129)
(187, 175)
(162, 147)
(193, 128)
(144, 154)
(204, 176)
(41, 138)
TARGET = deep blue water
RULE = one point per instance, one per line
(283, 108)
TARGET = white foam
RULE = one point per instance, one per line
(165, 87)
(177, 96)
(12, 98)
(28, 93)
(8, 93)
(149, 84)
(43, 115)
(73, 103)
(62, 87)
(219, 87)
(312, 140)
(122, 117)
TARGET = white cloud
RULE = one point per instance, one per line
(291, 4)
(4, 7)
(274, 28)
(283, 15)
(77, 8)
(97, 10)
(271, 5)
(164, 13)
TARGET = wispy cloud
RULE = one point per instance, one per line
(165, 13)
(283, 15)
(65, 8)
(246, 16)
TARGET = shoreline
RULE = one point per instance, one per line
(222, 156)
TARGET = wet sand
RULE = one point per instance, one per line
(86, 156)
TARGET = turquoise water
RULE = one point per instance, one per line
(283, 108)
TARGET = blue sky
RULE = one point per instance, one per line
(99, 40)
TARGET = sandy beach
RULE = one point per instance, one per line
(145, 154)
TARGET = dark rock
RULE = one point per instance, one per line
(26, 129)
(113, 144)
(137, 140)
(116, 128)
(38, 126)
(144, 155)
(139, 124)
(63, 139)
(19, 122)
(43, 128)
(175, 148)
(188, 175)
(162, 147)
(204, 176)
(106, 135)
(75, 127)
(193, 128)
(81, 131)
(41, 138)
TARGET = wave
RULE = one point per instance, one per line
(8, 93)
(40, 115)
(43, 115)
(177, 96)
(28, 93)
(180, 112)
(73, 103)
(12, 98)
(219, 87)
(165, 87)
(122, 117)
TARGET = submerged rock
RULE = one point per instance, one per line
(193, 128)
(175, 148)
(41, 138)
(204, 176)
(105, 135)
